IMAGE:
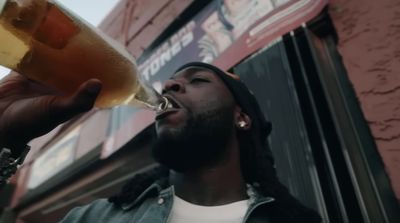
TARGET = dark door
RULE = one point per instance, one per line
(269, 76)
(322, 145)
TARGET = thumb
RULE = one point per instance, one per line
(82, 100)
(45, 113)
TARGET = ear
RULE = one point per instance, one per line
(242, 120)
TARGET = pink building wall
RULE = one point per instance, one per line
(369, 42)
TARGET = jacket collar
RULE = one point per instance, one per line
(155, 189)
(163, 188)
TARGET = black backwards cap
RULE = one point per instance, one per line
(243, 97)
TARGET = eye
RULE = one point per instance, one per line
(198, 80)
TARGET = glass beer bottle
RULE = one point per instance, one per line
(47, 43)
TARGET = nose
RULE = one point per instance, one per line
(174, 86)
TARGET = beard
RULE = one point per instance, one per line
(202, 142)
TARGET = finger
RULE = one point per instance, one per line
(64, 108)
(21, 87)
(47, 112)
(12, 74)
(32, 117)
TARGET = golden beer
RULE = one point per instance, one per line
(45, 42)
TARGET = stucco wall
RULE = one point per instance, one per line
(369, 41)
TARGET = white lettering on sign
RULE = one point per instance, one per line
(167, 51)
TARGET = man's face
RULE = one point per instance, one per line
(194, 133)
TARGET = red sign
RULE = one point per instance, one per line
(227, 31)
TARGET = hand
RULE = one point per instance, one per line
(29, 110)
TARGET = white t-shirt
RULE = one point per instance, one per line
(185, 212)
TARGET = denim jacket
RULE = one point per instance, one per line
(153, 206)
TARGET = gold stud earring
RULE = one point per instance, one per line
(242, 124)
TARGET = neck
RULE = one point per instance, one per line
(210, 186)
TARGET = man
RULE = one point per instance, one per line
(211, 144)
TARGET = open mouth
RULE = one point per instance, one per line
(172, 106)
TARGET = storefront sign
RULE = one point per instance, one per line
(226, 32)
(55, 159)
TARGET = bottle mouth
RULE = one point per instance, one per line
(2, 4)
(163, 105)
